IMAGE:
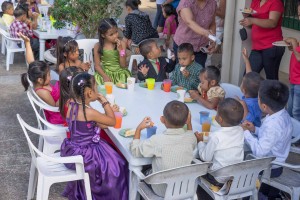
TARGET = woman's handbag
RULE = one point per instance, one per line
(243, 34)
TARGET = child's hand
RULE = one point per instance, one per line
(291, 41)
(185, 73)
(144, 124)
(115, 108)
(24, 37)
(101, 98)
(106, 78)
(35, 15)
(245, 55)
(120, 45)
(86, 66)
(199, 136)
(194, 94)
(246, 125)
(241, 101)
(144, 69)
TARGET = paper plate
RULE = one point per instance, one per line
(143, 85)
(281, 44)
(189, 100)
(122, 132)
(248, 11)
(121, 85)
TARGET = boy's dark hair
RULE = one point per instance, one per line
(169, 9)
(78, 84)
(213, 73)
(36, 70)
(185, 47)
(133, 4)
(251, 83)
(64, 45)
(19, 11)
(6, 5)
(176, 113)
(146, 47)
(274, 94)
(104, 26)
(65, 78)
(231, 111)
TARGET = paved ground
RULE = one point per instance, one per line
(14, 154)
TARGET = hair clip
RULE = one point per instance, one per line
(68, 42)
(69, 78)
(81, 82)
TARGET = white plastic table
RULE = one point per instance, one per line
(53, 34)
(141, 103)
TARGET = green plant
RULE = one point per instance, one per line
(85, 13)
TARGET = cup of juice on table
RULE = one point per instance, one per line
(203, 116)
(167, 85)
(150, 83)
(130, 83)
(118, 116)
(181, 94)
(101, 89)
(206, 129)
(108, 87)
(151, 131)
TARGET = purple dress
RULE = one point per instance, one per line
(107, 170)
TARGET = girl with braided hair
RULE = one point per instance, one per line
(106, 168)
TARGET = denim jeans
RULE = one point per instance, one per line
(267, 59)
(294, 102)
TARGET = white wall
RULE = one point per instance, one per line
(285, 62)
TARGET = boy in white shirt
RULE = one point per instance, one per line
(226, 145)
(173, 148)
(273, 138)
(8, 14)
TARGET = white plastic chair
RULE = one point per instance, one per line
(243, 176)
(296, 130)
(51, 169)
(288, 181)
(231, 90)
(138, 58)
(11, 47)
(88, 45)
(181, 181)
(5, 28)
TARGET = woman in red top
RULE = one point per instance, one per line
(266, 29)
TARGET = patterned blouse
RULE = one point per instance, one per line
(213, 92)
(138, 27)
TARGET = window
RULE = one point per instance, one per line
(290, 16)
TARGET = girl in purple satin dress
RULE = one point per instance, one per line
(107, 170)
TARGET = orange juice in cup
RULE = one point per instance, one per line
(108, 87)
(118, 116)
(206, 125)
(167, 85)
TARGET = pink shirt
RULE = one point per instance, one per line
(295, 69)
(173, 26)
(204, 17)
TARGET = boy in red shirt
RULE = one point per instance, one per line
(294, 98)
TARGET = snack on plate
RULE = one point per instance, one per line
(179, 88)
(129, 132)
(121, 85)
(123, 111)
(188, 100)
(248, 10)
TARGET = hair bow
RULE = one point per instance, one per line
(81, 82)
(69, 78)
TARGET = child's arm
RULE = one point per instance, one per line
(212, 104)
(121, 46)
(245, 107)
(45, 95)
(175, 75)
(246, 60)
(34, 24)
(168, 25)
(97, 62)
(84, 66)
(206, 151)
(294, 44)
(29, 53)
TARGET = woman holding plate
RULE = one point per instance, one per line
(265, 20)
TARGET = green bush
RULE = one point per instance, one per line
(85, 13)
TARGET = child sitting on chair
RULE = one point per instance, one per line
(160, 147)
(8, 13)
(226, 145)
(153, 66)
(187, 71)
(273, 138)
(209, 93)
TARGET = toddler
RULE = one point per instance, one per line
(110, 54)
(209, 93)
(8, 14)
(173, 148)
(186, 73)
(294, 99)
(67, 53)
(106, 168)
(226, 145)
(170, 24)
(273, 138)
(153, 66)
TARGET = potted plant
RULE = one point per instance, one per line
(85, 14)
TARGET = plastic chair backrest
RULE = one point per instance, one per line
(138, 58)
(231, 90)
(181, 181)
(296, 130)
(243, 174)
(88, 46)
(11, 42)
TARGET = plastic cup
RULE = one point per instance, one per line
(130, 83)
(206, 125)
(203, 116)
(110, 98)
(118, 116)
(101, 89)
(181, 94)
(150, 83)
(151, 131)
(108, 87)
(205, 136)
(167, 85)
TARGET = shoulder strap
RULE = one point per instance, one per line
(36, 89)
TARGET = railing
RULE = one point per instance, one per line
(290, 16)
